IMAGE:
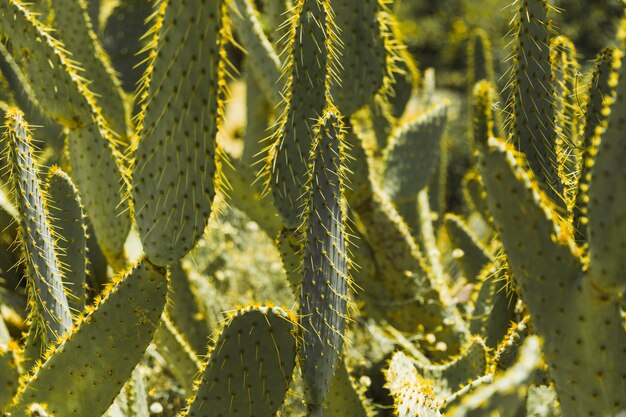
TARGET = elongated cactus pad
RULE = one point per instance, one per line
(603, 85)
(565, 69)
(558, 291)
(289, 243)
(182, 362)
(364, 69)
(480, 59)
(50, 312)
(117, 332)
(103, 186)
(412, 153)
(325, 281)
(184, 310)
(250, 367)
(74, 28)
(175, 170)
(483, 98)
(68, 222)
(532, 110)
(606, 203)
(308, 68)
(267, 65)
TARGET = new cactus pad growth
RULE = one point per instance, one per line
(435, 199)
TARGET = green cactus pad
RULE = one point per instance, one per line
(531, 105)
(50, 312)
(175, 170)
(359, 186)
(250, 367)
(246, 194)
(181, 361)
(364, 69)
(53, 76)
(475, 256)
(412, 395)
(9, 374)
(557, 291)
(494, 306)
(67, 221)
(480, 60)
(308, 68)
(184, 311)
(507, 393)
(102, 350)
(603, 85)
(412, 153)
(102, 184)
(565, 70)
(325, 281)
(267, 65)
(483, 99)
(606, 205)
(74, 28)
(345, 398)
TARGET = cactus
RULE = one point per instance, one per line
(118, 331)
(325, 281)
(309, 67)
(250, 366)
(433, 273)
(67, 221)
(179, 200)
(50, 314)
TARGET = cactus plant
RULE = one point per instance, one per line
(430, 268)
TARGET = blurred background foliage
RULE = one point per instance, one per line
(436, 32)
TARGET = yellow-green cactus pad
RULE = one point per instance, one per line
(50, 312)
(103, 186)
(175, 166)
(103, 348)
(74, 28)
(68, 222)
(363, 34)
(250, 367)
(412, 154)
(578, 319)
(532, 112)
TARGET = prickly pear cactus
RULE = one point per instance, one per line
(326, 155)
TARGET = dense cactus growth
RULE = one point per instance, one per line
(272, 208)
